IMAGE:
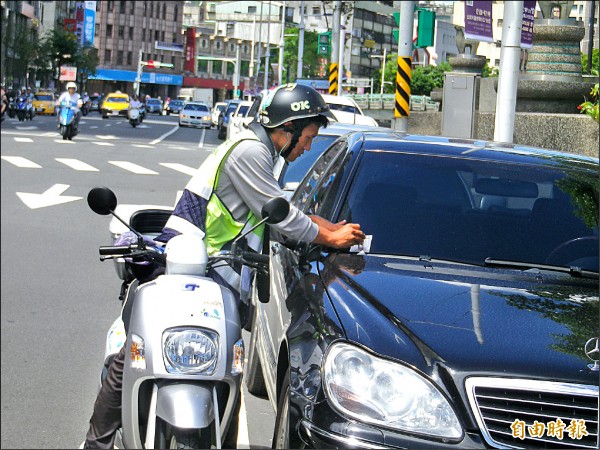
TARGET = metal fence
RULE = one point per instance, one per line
(386, 101)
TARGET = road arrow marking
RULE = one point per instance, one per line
(50, 197)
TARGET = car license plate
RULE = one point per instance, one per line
(195, 122)
(39, 109)
(115, 113)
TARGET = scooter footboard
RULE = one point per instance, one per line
(186, 405)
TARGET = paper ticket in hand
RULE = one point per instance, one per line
(363, 248)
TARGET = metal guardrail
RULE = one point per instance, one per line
(387, 101)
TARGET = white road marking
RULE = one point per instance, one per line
(156, 141)
(107, 144)
(106, 136)
(63, 141)
(142, 145)
(76, 164)
(243, 439)
(180, 168)
(19, 161)
(50, 197)
(201, 143)
(131, 167)
(18, 139)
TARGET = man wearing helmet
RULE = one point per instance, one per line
(71, 96)
(225, 198)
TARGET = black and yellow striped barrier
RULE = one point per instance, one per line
(402, 99)
(333, 78)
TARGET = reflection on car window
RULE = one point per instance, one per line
(43, 97)
(296, 171)
(469, 210)
(317, 185)
(195, 107)
(117, 100)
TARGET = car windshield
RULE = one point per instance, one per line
(344, 108)
(43, 97)
(220, 107)
(469, 210)
(176, 102)
(117, 100)
(153, 102)
(195, 107)
(243, 110)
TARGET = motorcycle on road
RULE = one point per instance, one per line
(185, 354)
(25, 110)
(67, 112)
(135, 117)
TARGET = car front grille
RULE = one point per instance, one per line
(499, 403)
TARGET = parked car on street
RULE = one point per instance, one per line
(154, 106)
(467, 319)
(346, 110)
(224, 117)
(44, 103)
(239, 118)
(175, 107)
(217, 108)
(115, 104)
(195, 114)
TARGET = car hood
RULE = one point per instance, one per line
(347, 117)
(470, 319)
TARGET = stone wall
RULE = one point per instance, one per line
(572, 133)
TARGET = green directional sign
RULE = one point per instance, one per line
(425, 28)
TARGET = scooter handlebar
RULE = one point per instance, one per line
(256, 257)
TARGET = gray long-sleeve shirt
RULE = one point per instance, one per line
(247, 181)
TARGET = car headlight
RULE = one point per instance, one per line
(385, 393)
(190, 351)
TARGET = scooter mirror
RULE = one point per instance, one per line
(275, 210)
(102, 200)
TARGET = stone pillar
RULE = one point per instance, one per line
(553, 80)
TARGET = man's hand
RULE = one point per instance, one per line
(338, 235)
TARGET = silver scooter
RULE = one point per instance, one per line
(185, 353)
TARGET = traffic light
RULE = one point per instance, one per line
(324, 43)
(425, 28)
(156, 64)
(150, 64)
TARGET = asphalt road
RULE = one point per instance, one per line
(57, 299)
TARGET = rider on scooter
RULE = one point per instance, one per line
(242, 170)
(72, 97)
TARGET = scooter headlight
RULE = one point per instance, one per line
(190, 351)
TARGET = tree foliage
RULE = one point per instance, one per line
(310, 58)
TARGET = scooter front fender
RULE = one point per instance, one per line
(185, 405)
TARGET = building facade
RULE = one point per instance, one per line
(130, 32)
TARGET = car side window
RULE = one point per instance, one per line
(317, 192)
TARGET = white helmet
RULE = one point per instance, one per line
(70, 85)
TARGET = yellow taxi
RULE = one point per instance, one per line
(43, 102)
(115, 104)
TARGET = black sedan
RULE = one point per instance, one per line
(468, 319)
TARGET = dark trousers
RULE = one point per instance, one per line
(106, 418)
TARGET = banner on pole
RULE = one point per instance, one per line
(527, 23)
(478, 20)
(190, 50)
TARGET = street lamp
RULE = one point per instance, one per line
(382, 69)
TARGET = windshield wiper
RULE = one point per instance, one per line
(574, 271)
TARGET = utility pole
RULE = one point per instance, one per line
(138, 78)
(508, 78)
(268, 51)
(259, 44)
(281, 48)
(335, 47)
(341, 60)
(403, 74)
(300, 41)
